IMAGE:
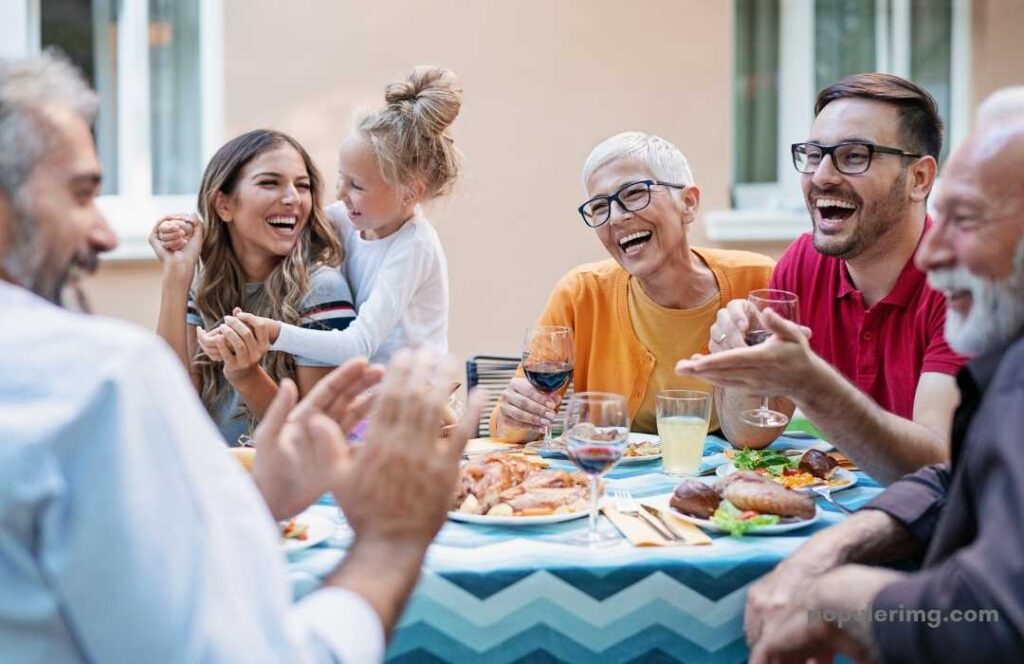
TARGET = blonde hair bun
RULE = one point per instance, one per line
(430, 95)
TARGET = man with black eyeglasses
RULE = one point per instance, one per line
(872, 370)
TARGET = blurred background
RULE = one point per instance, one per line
(731, 82)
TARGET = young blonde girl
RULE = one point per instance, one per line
(395, 159)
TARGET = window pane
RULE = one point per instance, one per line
(931, 43)
(756, 91)
(86, 30)
(174, 95)
(844, 39)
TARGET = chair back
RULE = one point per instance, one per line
(491, 373)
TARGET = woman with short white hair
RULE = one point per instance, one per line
(652, 303)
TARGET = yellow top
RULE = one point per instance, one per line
(689, 335)
(593, 300)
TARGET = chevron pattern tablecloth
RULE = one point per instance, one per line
(491, 594)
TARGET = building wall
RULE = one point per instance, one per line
(544, 82)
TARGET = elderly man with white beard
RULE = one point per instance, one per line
(963, 518)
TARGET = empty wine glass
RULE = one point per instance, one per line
(786, 305)
(548, 364)
(596, 434)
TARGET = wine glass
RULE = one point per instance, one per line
(786, 305)
(548, 363)
(596, 434)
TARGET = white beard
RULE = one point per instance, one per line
(997, 308)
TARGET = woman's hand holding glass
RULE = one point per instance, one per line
(525, 406)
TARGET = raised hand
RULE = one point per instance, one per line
(301, 449)
(177, 240)
(399, 487)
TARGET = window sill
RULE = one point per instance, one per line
(755, 225)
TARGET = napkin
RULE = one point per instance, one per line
(639, 532)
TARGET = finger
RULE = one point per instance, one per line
(784, 330)
(739, 313)
(389, 401)
(254, 322)
(234, 341)
(519, 416)
(277, 413)
(528, 405)
(341, 384)
(467, 427)
(806, 331)
(327, 442)
(241, 329)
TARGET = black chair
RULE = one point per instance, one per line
(491, 373)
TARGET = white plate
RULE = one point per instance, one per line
(777, 529)
(483, 519)
(637, 438)
(841, 478)
(633, 438)
(318, 529)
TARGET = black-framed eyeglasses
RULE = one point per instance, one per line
(848, 157)
(631, 197)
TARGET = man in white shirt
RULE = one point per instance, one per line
(126, 531)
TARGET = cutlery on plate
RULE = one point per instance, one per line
(657, 514)
(826, 493)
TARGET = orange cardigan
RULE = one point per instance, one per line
(591, 300)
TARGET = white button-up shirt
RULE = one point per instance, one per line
(127, 533)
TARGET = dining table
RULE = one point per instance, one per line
(495, 594)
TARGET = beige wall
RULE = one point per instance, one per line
(544, 81)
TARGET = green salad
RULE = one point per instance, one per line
(771, 460)
(730, 518)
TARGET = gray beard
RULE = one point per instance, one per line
(997, 308)
(27, 264)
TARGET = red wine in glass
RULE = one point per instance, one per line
(756, 337)
(593, 459)
(548, 377)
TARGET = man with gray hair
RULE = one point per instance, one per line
(966, 603)
(652, 302)
(127, 532)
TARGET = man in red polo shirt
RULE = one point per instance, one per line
(872, 369)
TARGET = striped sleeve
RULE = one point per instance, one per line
(192, 316)
(327, 306)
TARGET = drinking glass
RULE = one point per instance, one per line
(596, 434)
(786, 305)
(548, 363)
(683, 417)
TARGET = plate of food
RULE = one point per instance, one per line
(744, 503)
(509, 490)
(641, 447)
(304, 531)
(793, 469)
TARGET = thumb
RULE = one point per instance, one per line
(277, 413)
(783, 329)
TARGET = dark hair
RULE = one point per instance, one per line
(920, 124)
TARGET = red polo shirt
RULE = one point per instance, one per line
(883, 349)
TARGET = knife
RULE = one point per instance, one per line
(656, 513)
(658, 525)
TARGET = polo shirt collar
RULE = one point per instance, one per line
(907, 284)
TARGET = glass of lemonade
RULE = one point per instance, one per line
(683, 417)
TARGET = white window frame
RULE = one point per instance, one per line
(134, 209)
(775, 211)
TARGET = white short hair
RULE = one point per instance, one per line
(664, 159)
(1002, 106)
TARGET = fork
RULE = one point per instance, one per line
(826, 493)
(626, 504)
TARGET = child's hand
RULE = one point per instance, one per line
(235, 344)
(268, 328)
(177, 240)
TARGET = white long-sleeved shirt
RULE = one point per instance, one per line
(401, 291)
(127, 533)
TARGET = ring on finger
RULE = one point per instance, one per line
(721, 338)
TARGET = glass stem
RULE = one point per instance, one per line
(764, 405)
(593, 507)
(547, 436)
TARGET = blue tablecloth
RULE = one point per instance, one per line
(493, 594)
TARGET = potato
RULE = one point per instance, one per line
(470, 505)
(501, 509)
